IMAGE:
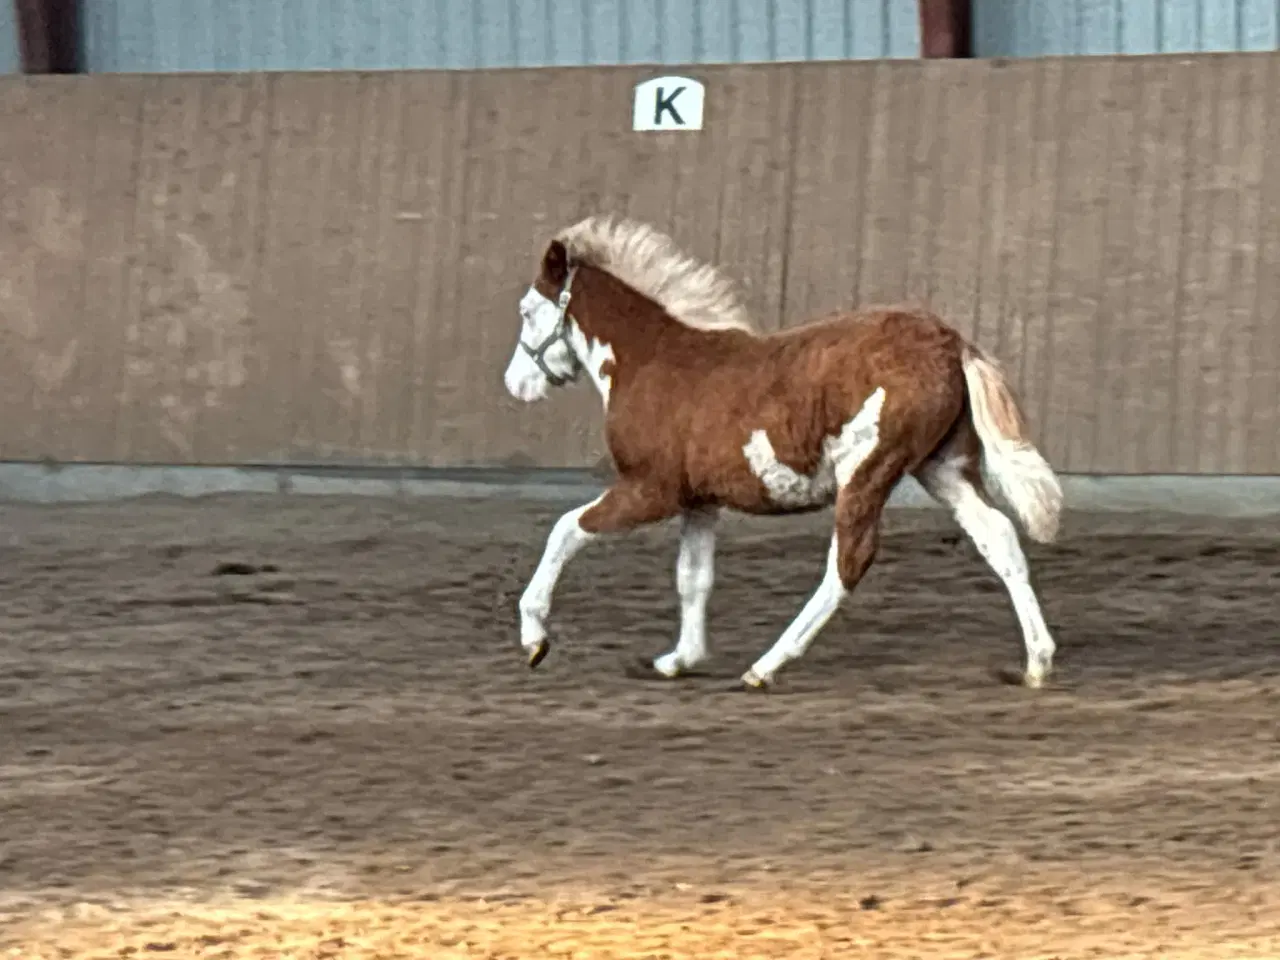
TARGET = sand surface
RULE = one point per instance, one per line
(274, 728)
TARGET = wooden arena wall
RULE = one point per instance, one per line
(296, 268)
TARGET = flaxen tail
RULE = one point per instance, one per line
(1012, 468)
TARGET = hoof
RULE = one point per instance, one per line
(754, 682)
(1017, 678)
(538, 653)
(671, 672)
(641, 668)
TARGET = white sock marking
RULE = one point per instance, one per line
(566, 538)
(996, 539)
(695, 575)
(842, 454)
(812, 618)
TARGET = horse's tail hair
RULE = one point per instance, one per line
(1012, 468)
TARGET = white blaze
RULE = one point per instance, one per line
(539, 320)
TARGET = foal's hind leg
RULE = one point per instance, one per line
(621, 508)
(853, 546)
(955, 482)
(695, 575)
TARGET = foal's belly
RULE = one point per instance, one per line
(767, 508)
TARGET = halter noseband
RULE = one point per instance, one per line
(559, 334)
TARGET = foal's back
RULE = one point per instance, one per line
(883, 339)
(838, 360)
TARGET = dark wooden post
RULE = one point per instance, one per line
(946, 28)
(49, 35)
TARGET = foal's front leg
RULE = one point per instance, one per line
(621, 508)
(695, 575)
(566, 539)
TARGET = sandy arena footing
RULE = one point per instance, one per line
(301, 727)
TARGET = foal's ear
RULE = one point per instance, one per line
(555, 263)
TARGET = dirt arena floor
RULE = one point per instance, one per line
(302, 728)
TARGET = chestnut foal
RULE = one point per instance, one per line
(704, 412)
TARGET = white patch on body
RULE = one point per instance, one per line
(996, 538)
(842, 454)
(785, 486)
(857, 439)
(594, 354)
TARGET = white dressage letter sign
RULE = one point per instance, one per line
(668, 103)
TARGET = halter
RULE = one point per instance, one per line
(560, 334)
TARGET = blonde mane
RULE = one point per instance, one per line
(648, 261)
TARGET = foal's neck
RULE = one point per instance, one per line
(613, 314)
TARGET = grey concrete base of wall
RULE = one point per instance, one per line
(81, 483)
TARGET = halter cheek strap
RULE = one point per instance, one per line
(559, 334)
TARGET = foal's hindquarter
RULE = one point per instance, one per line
(855, 402)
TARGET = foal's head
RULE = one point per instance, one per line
(636, 282)
(545, 356)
